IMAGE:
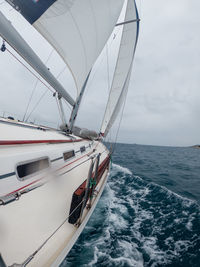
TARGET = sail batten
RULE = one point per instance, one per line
(123, 67)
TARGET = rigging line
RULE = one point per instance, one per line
(34, 88)
(115, 35)
(95, 72)
(30, 70)
(140, 9)
(43, 95)
(122, 113)
(36, 104)
(59, 74)
(108, 76)
(58, 108)
(27, 107)
(66, 103)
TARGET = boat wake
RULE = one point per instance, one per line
(139, 224)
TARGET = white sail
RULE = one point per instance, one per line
(123, 68)
(77, 29)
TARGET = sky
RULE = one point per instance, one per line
(162, 106)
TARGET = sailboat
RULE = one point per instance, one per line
(52, 179)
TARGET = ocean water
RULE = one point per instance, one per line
(149, 213)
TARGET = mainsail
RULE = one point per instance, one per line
(77, 29)
(123, 67)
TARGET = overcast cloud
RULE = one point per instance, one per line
(162, 106)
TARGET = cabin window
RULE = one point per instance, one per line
(31, 167)
(69, 154)
(82, 149)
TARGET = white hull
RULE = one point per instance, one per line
(25, 224)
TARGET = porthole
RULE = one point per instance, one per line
(25, 169)
(68, 155)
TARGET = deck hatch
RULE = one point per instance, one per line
(31, 167)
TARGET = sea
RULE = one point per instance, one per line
(149, 213)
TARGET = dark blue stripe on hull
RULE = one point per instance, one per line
(7, 175)
(31, 10)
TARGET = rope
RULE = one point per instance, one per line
(116, 137)
(95, 72)
(108, 77)
(67, 104)
(27, 107)
(38, 79)
(36, 105)
(74, 167)
(43, 96)
(48, 87)
(34, 88)
(59, 110)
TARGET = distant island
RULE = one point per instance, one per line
(196, 146)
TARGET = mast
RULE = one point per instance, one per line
(77, 105)
(10, 34)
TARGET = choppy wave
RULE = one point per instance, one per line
(137, 223)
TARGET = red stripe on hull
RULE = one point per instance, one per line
(27, 142)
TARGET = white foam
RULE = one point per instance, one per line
(141, 216)
(119, 168)
(189, 225)
(128, 255)
(128, 261)
(151, 248)
(181, 245)
(185, 201)
(97, 254)
(117, 221)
